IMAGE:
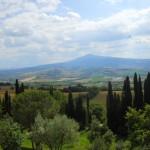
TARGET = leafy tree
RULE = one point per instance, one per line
(101, 137)
(54, 132)
(61, 99)
(98, 112)
(139, 127)
(26, 106)
(60, 131)
(10, 135)
(37, 133)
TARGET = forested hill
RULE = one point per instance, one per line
(84, 67)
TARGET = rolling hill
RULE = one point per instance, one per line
(86, 68)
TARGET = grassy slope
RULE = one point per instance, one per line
(82, 143)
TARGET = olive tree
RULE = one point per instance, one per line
(54, 132)
(10, 135)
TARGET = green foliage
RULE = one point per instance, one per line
(139, 127)
(27, 105)
(98, 112)
(92, 92)
(101, 137)
(147, 89)
(123, 145)
(80, 113)
(6, 104)
(1, 114)
(54, 132)
(10, 135)
(70, 108)
(138, 93)
(61, 100)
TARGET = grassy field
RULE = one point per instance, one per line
(82, 142)
(100, 99)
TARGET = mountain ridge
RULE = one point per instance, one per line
(88, 66)
(79, 59)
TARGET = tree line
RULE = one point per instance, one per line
(118, 104)
(6, 103)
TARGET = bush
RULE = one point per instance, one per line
(10, 135)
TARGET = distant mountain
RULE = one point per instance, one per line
(85, 67)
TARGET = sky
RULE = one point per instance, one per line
(35, 32)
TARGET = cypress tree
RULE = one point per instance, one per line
(70, 106)
(126, 95)
(147, 89)
(125, 103)
(109, 105)
(6, 104)
(80, 112)
(115, 113)
(140, 95)
(17, 88)
(21, 88)
(118, 114)
(51, 90)
(87, 110)
(135, 101)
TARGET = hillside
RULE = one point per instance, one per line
(89, 68)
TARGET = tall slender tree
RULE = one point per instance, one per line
(51, 90)
(135, 100)
(126, 95)
(6, 104)
(109, 105)
(17, 87)
(21, 88)
(80, 112)
(147, 89)
(125, 104)
(140, 95)
(70, 106)
(87, 110)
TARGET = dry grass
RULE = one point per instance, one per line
(100, 99)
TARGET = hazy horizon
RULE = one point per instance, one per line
(73, 59)
(38, 32)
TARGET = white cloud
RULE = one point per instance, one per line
(30, 30)
(9, 8)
